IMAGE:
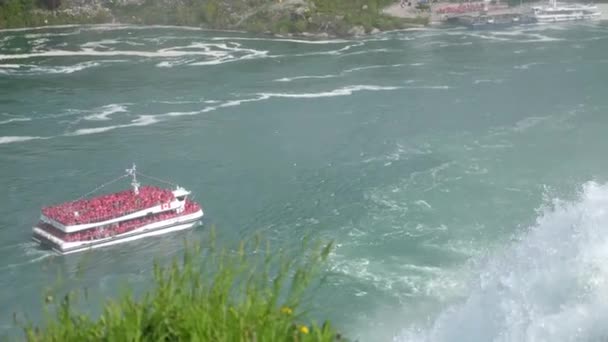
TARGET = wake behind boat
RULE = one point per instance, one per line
(117, 217)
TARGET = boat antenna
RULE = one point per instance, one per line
(133, 173)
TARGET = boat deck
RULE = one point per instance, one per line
(105, 207)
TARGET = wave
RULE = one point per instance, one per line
(26, 69)
(298, 41)
(142, 120)
(496, 81)
(13, 139)
(173, 52)
(526, 66)
(50, 34)
(4, 122)
(31, 261)
(105, 42)
(181, 102)
(439, 87)
(171, 64)
(99, 43)
(146, 120)
(289, 79)
(346, 71)
(349, 90)
(549, 285)
(363, 52)
(106, 111)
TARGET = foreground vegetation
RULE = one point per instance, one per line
(251, 294)
(330, 17)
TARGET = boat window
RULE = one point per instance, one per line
(181, 198)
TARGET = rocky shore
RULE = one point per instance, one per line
(306, 18)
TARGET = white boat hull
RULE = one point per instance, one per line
(569, 12)
(152, 229)
(563, 18)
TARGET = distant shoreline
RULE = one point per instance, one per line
(291, 18)
(304, 21)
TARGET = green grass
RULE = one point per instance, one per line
(247, 294)
(366, 13)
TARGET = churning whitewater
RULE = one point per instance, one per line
(433, 158)
(549, 285)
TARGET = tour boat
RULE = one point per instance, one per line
(118, 217)
(568, 12)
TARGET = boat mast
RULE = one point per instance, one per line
(134, 182)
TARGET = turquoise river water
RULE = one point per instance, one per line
(462, 174)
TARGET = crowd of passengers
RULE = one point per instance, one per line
(107, 206)
(123, 227)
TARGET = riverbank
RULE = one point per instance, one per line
(309, 18)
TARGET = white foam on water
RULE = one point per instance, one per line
(85, 131)
(377, 66)
(39, 43)
(344, 91)
(550, 284)
(299, 41)
(526, 66)
(100, 43)
(31, 261)
(14, 139)
(423, 204)
(142, 120)
(363, 52)
(26, 69)
(11, 66)
(50, 34)
(497, 81)
(4, 122)
(536, 38)
(230, 103)
(529, 122)
(321, 53)
(87, 52)
(105, 42)
(295, 78)
(396, 279)
(196, 112)
(104, 112)
(490, 37)
(171, 64)
(346, 71)
(181, 102)
(439, 87)
(66, 69)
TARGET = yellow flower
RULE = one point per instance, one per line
(286, 310)
(304, 329)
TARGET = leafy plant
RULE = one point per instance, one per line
(212, 294)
